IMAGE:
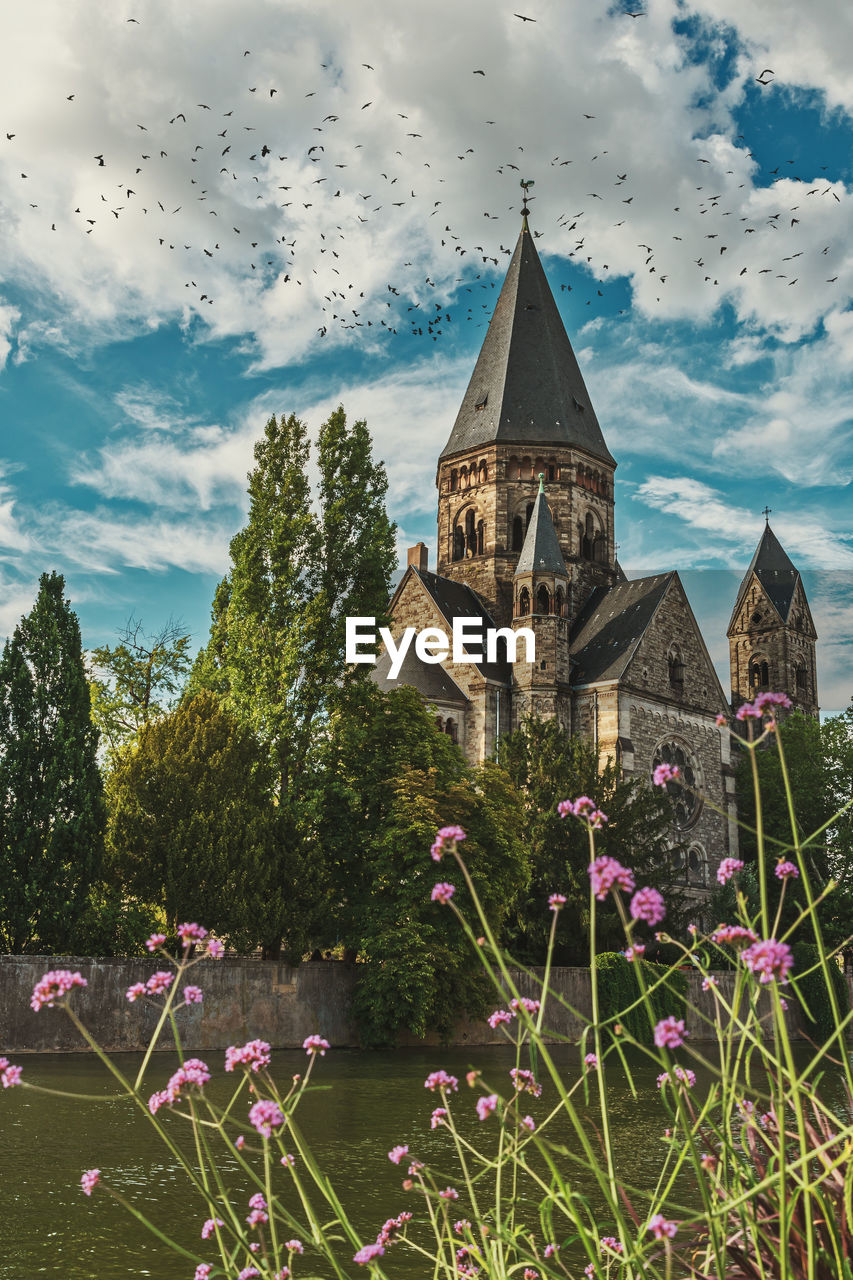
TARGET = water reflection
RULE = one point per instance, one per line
(373, 1102)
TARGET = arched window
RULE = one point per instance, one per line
(543, 600)
(552, 472)
(754, 675)
(587, 537)
(452, 730)
(481, 537)
(765, 675)
(526, 469)
(513, 471)
(697, 865)
(454, 481)
(579, 475)
(483, 474)
(524, 602)
(676, 668)
(683, 789)
(560, 603)
(529, 514)
(458, 544)
(517, 533)
(470, 533)
(599, 547)
(800, 678)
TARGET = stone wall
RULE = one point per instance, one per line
(245, 999)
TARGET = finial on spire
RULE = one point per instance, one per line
(524, 184)
(541, 481)
(767, 513)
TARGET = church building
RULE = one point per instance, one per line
(526, 542)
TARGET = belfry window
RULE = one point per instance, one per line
(543, 600)
(470, 534)
(517, 533)
(458, 544)
(481, 537)
(524, 602)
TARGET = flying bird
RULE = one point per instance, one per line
(523, 18)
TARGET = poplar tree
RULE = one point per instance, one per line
(51, 795)
(276, 648)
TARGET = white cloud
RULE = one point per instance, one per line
(9, 317)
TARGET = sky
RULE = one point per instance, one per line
(212, 211)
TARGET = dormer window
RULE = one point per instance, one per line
(482, 402)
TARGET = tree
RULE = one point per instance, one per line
(191, 821)
(136, 680)
(276, 648)
(391, 780)
(547, 765)
(51, 794)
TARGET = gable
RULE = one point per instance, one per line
(672, 645)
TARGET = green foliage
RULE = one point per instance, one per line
(113, 925)
(817, 1015)
(619, 988)
(136, 680)
(276, 648)
(546, 765)
(391, 780)
(192, 824)
(51, 795)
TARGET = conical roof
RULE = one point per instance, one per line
(526, 387)
(541, 550)
(776, 573)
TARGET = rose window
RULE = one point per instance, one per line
(683, 790)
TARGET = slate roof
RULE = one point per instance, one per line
(776, 573)
(611, 625)
(430, 679)
(541, 549)
(457, 600)
(526, 387)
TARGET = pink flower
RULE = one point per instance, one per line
(485, 1106)
(583, 808)
(530, 1273)
(665, 773)
(254, 1054)
(527, 1122)
(295, 1246)
(500, 1015)
(551, 1249)
(556, 901)
(438, 1117)
(610, 1242)
(605, 872)
(720, 719)
(265, 1116)
(190, 933)
(773, 700)
(240, 1142)
(156, 940)
(635, 951)
(53, 986)
(202, 1271)
(670, 1033)
(682, 1074)
(10, 1075)
(449, 1193)
(785, 869)
(769, 959)
(441, 1080)
(591, 1061)
(446, 834)
(287, 1160)
(257, 1201)
(210, 1227)
(256, 1217)
(727, 868)
(442, 893)
(648, 904)
(748, 712)
(90, 1180)
(193, 995)
(462, 1225)
(524, 1002)
(661, 1226)
(248, 1273)
(395, 1155)
(133, 993)
(159, 982)
(735, 935)
(316, 1044)
(709, 982)
(525, 1081)
(215, 948)
(368, 1253)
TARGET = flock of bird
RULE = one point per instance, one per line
(252, 193)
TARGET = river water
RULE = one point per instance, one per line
(373, 1102)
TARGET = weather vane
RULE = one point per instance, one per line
(525, 183)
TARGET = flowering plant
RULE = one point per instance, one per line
(754, 1178)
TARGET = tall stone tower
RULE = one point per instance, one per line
(541, 604)
(771, 633)
(526, 412)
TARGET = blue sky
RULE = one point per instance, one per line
(286, 184)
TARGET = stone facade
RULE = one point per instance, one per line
(759, 639)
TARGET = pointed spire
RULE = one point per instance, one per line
(775, 571)
(541, 550)
(526, 387)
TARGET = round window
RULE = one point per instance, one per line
(683, 790)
